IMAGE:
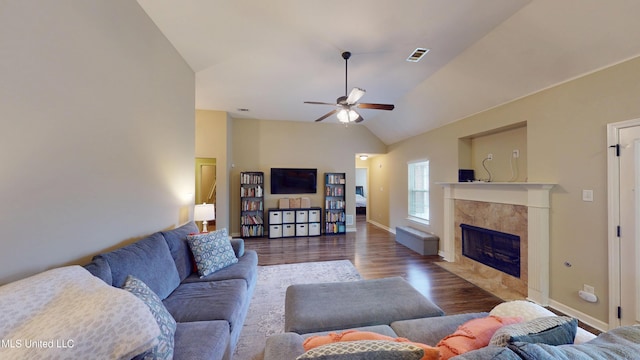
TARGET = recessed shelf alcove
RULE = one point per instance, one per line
(500, 143)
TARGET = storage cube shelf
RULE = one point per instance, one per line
(294, 222)
(334, 203)
(252, 204)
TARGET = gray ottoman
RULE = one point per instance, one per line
(343, 305)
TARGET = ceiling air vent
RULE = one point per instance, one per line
(417, 54)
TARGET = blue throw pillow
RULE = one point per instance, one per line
(551, 330)
(619, 343)
(212, 251)
(164, 348)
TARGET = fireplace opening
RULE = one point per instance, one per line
(496, 249)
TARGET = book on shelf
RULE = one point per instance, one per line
(251, 178)
(251, 191)
(335, 179)
(251, 219)
(335, 204)
(252, 230)
(251, 205)
(335, 216)
(334, 191)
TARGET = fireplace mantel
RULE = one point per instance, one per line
(535, 196)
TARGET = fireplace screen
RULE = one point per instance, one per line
(496, 249)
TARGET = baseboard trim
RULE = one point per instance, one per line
(381, 226)
(587, 319)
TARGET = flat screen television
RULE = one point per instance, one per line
(294, 181)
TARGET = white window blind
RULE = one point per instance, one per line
(419, 190)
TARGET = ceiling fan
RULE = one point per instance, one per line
(345, 104)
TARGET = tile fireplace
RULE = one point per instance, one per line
(519, 209)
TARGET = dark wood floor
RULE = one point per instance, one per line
(375, 254)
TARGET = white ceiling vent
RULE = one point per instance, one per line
(417, 54)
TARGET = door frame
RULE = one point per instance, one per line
(613, 204)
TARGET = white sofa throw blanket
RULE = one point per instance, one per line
(69, 313)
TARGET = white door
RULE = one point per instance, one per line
(629, 179)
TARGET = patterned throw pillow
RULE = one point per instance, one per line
(167, 324)
(430, 352)
(211, 251)
(529, 311)
(364, 350)
(551, 330)
(472, 335)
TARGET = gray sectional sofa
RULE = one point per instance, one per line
(619, 343)
(209, 311)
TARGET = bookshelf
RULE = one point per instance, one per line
(334, 203)
(252, 204)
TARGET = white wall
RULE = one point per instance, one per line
(361, 179)
(96, 131)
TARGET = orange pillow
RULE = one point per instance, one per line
(472, 335)
(430, 353)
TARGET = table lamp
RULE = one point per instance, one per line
(204, 212)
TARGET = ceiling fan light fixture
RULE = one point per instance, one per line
(417, 54)
(364, 157)
(355, 95)
(346, 116)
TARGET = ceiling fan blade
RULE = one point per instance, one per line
(326, 115)
(355, 95)
(319, 103)
(376, 106)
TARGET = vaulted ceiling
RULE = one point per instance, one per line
(271, 56)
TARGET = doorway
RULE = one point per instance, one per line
(362, 193)
(624, 214)
(206, 183)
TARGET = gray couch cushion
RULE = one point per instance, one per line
(99, 267)
(431, 330)
(238, 246)
(246, 268)
(343, 305)
(202, 340)
(203, 301)
(148, 260)
(177, 241)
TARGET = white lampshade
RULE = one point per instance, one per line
(347, 116)
(204, 212)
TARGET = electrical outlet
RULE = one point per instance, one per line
(490, 156)
(516, 153)
(589, 289)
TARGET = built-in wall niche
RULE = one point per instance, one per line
(507, 146)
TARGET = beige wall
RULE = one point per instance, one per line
(504, 167)
(212, 141)
(261, 145)
(96, 132)
(566, 144)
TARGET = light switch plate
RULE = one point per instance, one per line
(587, 195)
